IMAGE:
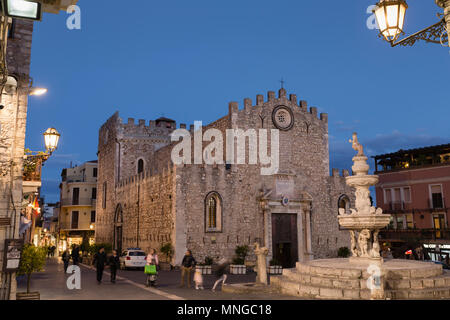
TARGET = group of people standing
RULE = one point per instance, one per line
(188, 265)
(75, 256)
(101, 260)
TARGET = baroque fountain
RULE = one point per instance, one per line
(365, 275)
(365, 222)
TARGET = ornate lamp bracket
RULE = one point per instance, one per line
(437, 33)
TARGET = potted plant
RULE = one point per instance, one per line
(206, 267)
(32, 260)
(275, 267)
(343, 252)
(167, 251)
(238, 264)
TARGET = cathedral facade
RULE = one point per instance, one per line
(146, 200)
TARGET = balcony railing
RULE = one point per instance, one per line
(32, 168)
(69, 226)
(438, 203)
(415, 234)
(70, 179)
(397, 207)
(78, 202)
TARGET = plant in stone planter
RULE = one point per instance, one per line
(167, 251)
(206, 267)
(275, 267)
(32, 260)
(238, 263)
(343, 252)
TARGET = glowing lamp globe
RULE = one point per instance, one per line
(390, 15)
(51, 137)
(22, 9)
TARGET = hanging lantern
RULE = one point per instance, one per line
(51, 137)
(390, 15)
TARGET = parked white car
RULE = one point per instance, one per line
(133, 258)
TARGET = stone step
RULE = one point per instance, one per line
(442, 281)
(287, 286)
(348, 283)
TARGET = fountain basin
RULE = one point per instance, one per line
(361, 181)
(360, 221)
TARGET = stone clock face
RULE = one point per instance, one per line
(283, 118)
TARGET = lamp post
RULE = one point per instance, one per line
(390, 15)
(51, 139)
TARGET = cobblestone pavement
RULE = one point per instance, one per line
(130, 285)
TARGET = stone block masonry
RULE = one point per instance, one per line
(12, 142)
(170, 203)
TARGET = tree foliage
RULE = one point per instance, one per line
(32, 260)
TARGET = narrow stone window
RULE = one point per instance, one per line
(104, 195)
(344, 203)
(140, 167)
(213, 212)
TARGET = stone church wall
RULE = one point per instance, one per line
(172, 198)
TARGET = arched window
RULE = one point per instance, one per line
(344, 203)
(213, 212)
(140, 166)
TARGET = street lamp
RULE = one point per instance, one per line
(37, 91)
(390, 15)
(22, 9)
(51, 138)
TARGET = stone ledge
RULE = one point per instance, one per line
(246, 288)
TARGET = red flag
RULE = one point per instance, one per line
(36, 208)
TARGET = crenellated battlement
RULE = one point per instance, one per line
(152, 124)
(335, 173)
(233, 107)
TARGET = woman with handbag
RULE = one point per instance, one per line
(151, 268)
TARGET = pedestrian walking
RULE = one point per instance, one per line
(66, 259)
(75, 255)
(99, 263)
(187, 265)
(114, 264)
(221, 273)
(152, 269)
(198, 279)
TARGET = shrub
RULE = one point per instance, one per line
(93, 249)
(274, 262)
(343, 252)
(241, 253)
(209, 261)
(32, 260)
(167, 250)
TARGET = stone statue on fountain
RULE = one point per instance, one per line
(365, 221)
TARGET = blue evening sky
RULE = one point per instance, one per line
(187, 59)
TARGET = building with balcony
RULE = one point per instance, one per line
(78, 194)
(414, 187)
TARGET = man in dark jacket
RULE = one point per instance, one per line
(75, 255)
(99, 263)
(187, 265)
(114, 264)
(66, 259)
